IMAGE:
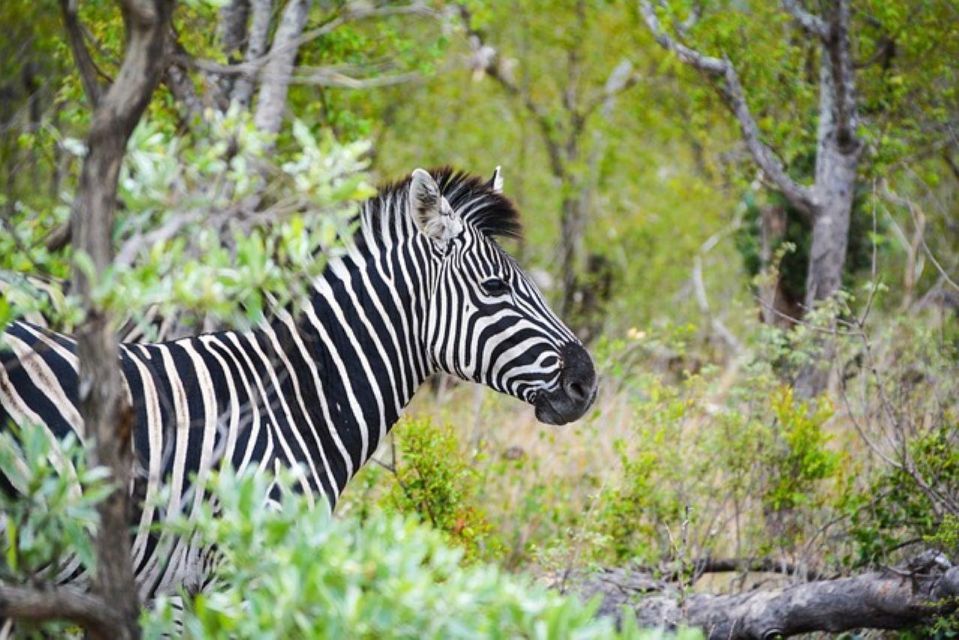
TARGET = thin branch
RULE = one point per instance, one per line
(699, 288)
(884, 53)
(695, 13)
(801, 197)
(811, 24)
(916, 214)
(61, 603)
(328, 77)
(85, 65)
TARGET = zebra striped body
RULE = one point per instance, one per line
(421, 288)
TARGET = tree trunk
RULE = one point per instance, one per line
(571, 239)
(106, 415)
(256, 41)
(837, 163)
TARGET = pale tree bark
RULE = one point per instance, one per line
(276, 74)
(827, 203)
(112, 610)
(257, 39)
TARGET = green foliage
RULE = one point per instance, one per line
(799, 451)
(636, 514)
(905, 504)
(435, 480)
(53, 510)
(387, 578)
(49, 521)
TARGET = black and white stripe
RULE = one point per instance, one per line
(421, 287)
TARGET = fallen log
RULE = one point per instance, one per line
(891, 598)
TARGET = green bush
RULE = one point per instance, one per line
(48, 526)
(434, 479)
(294, 572)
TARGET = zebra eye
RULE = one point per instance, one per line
(495, 287)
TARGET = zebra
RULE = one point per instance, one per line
(421, 287)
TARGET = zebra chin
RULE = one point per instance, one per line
(574, 394)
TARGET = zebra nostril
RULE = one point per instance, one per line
(577, 391)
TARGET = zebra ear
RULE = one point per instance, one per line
(496, 182)
(431, 213)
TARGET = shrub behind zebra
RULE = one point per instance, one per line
(421, 287)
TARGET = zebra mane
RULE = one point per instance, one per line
(486, 210)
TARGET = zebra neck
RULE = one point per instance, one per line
(354, 351)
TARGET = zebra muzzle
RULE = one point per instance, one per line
(576, 391)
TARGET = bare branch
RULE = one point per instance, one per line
(81, 55)
(62, 603)
(707, 64)
(277, 65)
(329, 77)
(253, 64)
(811, 24)
(801, 197)
(695, 13)
(917, 215)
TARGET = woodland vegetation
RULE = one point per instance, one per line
(749, 211)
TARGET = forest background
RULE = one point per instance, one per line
(764, 418)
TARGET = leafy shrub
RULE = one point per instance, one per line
(796, 458)
(435, 480)
(295, 572)
(54, 510)
(905, 504)
(634, 514)
(48, 522)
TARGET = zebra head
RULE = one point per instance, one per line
(486, 320)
